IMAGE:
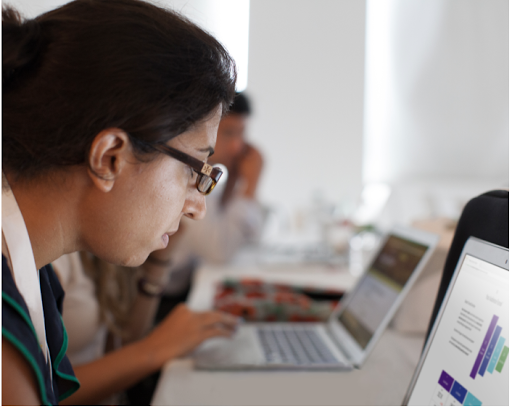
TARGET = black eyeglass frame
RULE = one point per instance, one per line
(201, 168)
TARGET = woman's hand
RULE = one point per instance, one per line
(183, 330)
(180, 332)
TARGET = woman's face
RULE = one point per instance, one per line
(147, 200)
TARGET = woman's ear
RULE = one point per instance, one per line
(109, 152)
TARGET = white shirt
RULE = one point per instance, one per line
(23, 265)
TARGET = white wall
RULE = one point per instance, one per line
(306, 75)
(437, 91)
(436, 103)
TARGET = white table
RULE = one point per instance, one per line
(383, 380)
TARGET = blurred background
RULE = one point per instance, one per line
(376, 112)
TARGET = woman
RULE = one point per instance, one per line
(110, 111)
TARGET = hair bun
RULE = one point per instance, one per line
(21, 43)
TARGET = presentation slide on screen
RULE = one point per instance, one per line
(467, 363)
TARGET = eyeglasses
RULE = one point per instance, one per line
(207, 176)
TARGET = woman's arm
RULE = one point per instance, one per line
(246, 168)
(250, 168)
(180, 332)
(19, 385)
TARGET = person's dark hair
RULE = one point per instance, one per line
(241, 105)
(95, 64)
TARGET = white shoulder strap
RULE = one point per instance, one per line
(23, 264)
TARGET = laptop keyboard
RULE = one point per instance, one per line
(298, 346)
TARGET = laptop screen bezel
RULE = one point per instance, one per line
(481, 250)
(351, 348)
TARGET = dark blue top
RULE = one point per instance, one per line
(18, 329)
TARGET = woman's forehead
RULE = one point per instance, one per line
(201, 137)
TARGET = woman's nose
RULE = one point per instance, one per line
(195, 205)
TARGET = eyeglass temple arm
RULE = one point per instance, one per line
(183, 157)
(197, 165)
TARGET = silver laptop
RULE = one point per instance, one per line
(352, 330)
(465, 360)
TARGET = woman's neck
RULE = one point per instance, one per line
(49, 207)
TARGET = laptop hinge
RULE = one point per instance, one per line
(335, 339)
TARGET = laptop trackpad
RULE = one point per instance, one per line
(242, 350)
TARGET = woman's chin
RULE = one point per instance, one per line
(135, 260)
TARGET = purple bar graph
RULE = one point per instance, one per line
(490, 350)
(483, 348)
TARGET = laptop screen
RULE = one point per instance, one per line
(467, 363)
(380, 287)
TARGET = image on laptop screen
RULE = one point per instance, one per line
(466, 362)
(380, 288)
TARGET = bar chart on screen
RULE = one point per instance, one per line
(467, 363)
(490, 361)
(493, 352)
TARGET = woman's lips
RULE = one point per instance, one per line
(165, 237)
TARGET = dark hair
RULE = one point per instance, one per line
(241, 105)
(94, 64)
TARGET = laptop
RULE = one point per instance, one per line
(465, 359)
(352, 330)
